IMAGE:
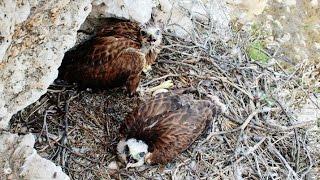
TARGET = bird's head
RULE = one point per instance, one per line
(132, 152)
(151, 36)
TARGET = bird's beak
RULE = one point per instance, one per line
(137, 164)
(152, 39)
(131, 160)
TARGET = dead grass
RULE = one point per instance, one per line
(258, 138)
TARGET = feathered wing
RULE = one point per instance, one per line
(168, 124)
(104, 62)
(130, 30)
(164, 102)
(178, 130)
(120, 28)
(131, 61)
(145, 111)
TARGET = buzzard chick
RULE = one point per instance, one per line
(162, 127)
(115, 56)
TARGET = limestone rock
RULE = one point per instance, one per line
(178, 15)
(19, 160)
(34, 35)
(247, 10)
(137, 10)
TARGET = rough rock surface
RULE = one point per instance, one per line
(34, 36)
(18, 160)
(129, 9)
(178, 15)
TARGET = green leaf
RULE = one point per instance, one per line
(256, 52)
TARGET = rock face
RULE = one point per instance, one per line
(178, 16)
(34, 36)
(18, 160)
(129, 9)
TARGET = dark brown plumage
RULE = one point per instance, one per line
(115, 56)
(167, 124)
(120, 28)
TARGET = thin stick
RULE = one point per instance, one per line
(251, 150)
(249, 118)
(160, 78)
(272, 149)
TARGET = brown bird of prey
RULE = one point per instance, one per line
(164, 126)
(115, 56)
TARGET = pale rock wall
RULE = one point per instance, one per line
(19, 160)
(177, 16)
(34, 35)
(246, 10)
(129, 9)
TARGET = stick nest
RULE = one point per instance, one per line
(258, 137)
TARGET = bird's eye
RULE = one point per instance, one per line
(158, 32)
(143, 32)
(126, 149)
(142, 154)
